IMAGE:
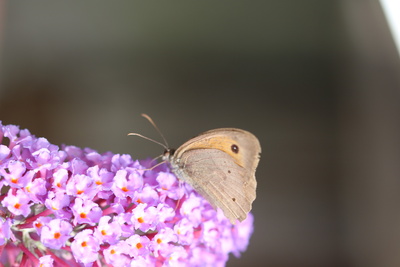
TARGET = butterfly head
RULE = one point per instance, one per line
(168, 154)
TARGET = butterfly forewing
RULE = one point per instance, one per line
(222, 175)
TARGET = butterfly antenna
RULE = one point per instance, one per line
(147, 138)
(151, 168)
(158, 130)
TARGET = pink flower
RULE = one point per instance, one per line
(126, 184)
(5, 233)
(82, 186)
(55, 233)
(40, 222)
(85, 247)
(60, 179)
(139, 245)
(86, 211)
(107, 232)
(184, 230)
(102, 178)
(106, 208)
(18, 204)
(56, 201)
(36, 190)
(169, 186)
(16, 175)
(117, 254)
(4, 153)
(146, 195)
(46, 261)
(162, 242)
(145, 218)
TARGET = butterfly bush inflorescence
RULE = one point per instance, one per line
(60, 207)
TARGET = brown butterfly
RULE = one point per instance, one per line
(220, 165)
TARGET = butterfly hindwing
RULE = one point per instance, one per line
(220, 181)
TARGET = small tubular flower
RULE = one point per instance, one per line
(74, 206)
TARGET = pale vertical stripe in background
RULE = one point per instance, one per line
(391, 8)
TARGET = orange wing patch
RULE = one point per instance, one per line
(224, 144)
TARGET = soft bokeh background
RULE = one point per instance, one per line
(317, 81)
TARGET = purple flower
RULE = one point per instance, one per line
(107, 232)
(117, 255)
(44, 159)
(103, 179)
(55, 233)
(176, 256)
(57, 201)
(15, 174)
(192, 209)
(36, 189)
(86, 211)
(162, 242)
(165, 213)
(60, 178)
(147, 195)
(4, 153)
(82, 186)
(144, 218)
(46, 261)
(40, 222)
(11, 132)
(143, 261)
(126, 184)
(120, 162)
(5, 233)
(104, 208)
(18, 204)
(139, 245)
(240, 236)
(169, 186)
(85, 247)
(184, 229)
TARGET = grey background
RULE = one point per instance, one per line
(316, 81)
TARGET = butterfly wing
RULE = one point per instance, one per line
(224, 177)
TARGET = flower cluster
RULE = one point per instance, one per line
(69, 206)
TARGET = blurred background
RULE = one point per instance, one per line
(317, 81)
